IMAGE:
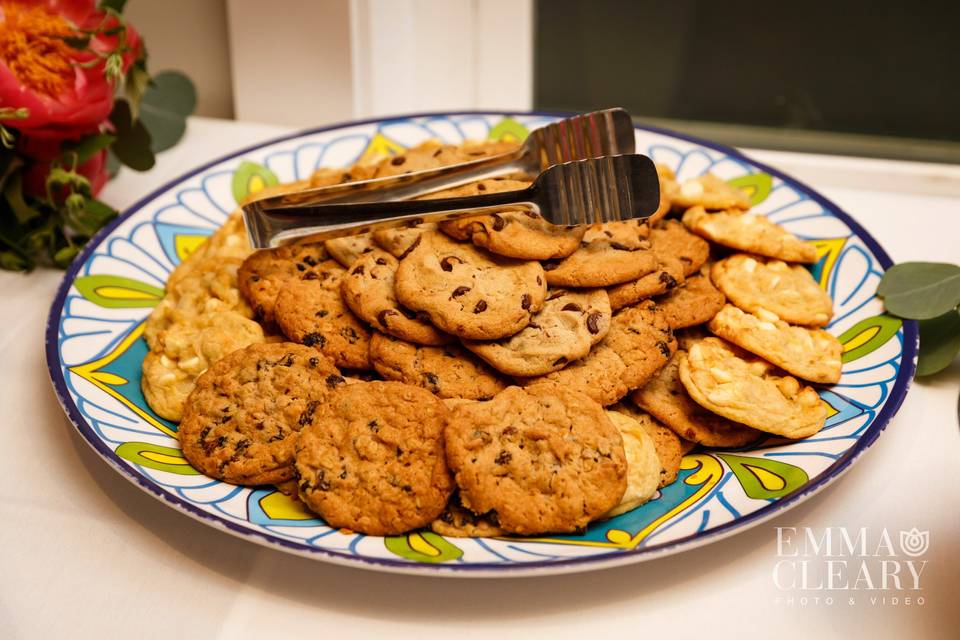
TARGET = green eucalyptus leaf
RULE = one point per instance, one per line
(167, 102)
(132, 146)
(939, 342)
(920, 290)
(87, 147)
(113, 164)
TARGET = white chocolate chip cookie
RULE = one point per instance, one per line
(749, 232)
(736, 385)
(185, 350)
(209, 287)
(710, 192)
(787, 291)
(643, 465)
(811, 354)
(229, 241)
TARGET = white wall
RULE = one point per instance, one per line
(307, 62)
(190, 36)
(291, 61)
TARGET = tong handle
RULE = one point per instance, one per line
(407, 186)
(270, 226)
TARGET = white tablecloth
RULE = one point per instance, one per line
(83, 553)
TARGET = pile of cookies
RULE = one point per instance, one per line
(492, 375)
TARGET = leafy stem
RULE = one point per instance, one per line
(930, 293)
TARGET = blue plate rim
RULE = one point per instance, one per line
(486, 569)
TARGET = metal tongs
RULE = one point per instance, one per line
(587, 174)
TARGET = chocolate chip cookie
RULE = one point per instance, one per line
(372, 458)
(601, 262)
(670, 238)
(638, 344)
(570, 322)
(467, 291)
(347, 249)
(543, 459)
(449, 371)
(693, 303)
(369, 291)
(515, 233)
(667, 276)
(241, 420)
(399, 241)
(311, 311)
(266, 272)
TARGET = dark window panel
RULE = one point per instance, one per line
(877, 68)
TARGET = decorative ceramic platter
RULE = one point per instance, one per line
(95, 349)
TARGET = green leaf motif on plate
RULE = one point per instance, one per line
(867, 336)
(508, 129)
(920, 290)
(757, 186)
(424, 546)
(939, 342)
(763, 478)
(249, 178)
(156, 457)
(117, 292)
